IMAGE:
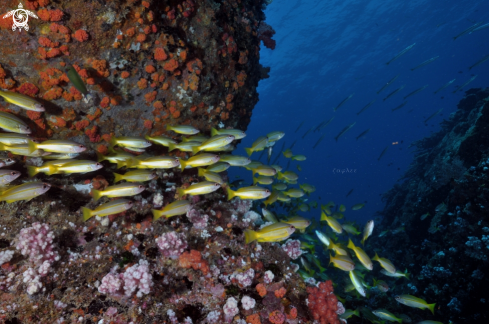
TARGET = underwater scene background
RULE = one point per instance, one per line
(244, 161)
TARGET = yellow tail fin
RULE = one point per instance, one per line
(87, 213)
(31, 145)
(249, 151)
(112, 142)
(32, 171)
(376, 257)
(121, 164)
(183, 164)
(156, 214)
(195, 149)
(350, 244)
(231, 194)
(200, 172)
(100, 157)
(180, 192)
(432, 308)
(171, 147)
(254, 180)
(51, 170)
(168, 127)
(214, 132)
(97, 194)
(118, 177)
(149, 138)
(250, 236)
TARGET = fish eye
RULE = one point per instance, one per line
(267, 191)
(141, 187)
(44, 186)
(13, 173)
(98, 164)
(81, 146)
(8, 160)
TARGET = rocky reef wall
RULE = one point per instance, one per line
(447, 250)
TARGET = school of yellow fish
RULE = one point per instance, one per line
(208, 155)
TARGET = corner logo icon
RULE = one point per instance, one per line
(20, 17)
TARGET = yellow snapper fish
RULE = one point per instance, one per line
(130, 142)
(275, 136)
(349, 312)
(184, 146)
(218, 167)
(277, 167)
(135, 176)
(57, 146)
(361, 255)
(199, 188)
(253, 192)
(162, 140)
(33, 170)
(342, 208)
(350, 229)
(120, 190)
(279, 186)
(357, 206)
(272, 233)
(60, 156)
(271, 199)
(22, 149)
(252, 165)
(357, 282)
(22, 101)
(307, 188)
(288, 176)
(7, 176)
(111, 208)
(238, 134)
(215, 142)
(323, 237)
(269, 216)
(397, 274)
(298, 157)
(76, 166)
(367, 231)
(183, 129)
(115, 157)
(264, 170)
(386, 315)
(12, 123)
(282, 197)
(338, 248)
(257, 146)
(14, 139)
(287, 153)
(332, 222)
(210, 176)
(178, 207)
(298, 222)
(226, 148)
(6, 162)
(153, 162)
(416, 302)
(381, 285)
(304, 207)
(262, 180)
(235, 160)
(385, 263)
(195, 138)
(294, 193)
(203, 159)
(342, 262)
(26, 191)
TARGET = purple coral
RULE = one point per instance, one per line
(36, 242)
(245, 279)
(268, 277)
(248, 302)
(199, 221)
(292, 248)
(138, 277)
(230, 309)
(111, 284)
(171, 244)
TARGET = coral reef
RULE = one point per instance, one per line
(445, 252)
